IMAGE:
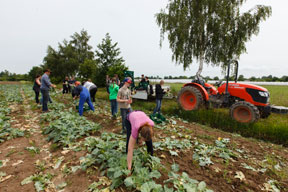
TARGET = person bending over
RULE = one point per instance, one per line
(84, 95)
(92, 88)
(138, 122)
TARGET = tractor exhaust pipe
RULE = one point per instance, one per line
(236, 71)
(227, 79)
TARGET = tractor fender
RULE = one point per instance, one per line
(200, 88)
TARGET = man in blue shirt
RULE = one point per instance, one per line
(84, 95)
(44, 88)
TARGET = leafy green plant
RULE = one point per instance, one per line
(183, 182)
(33, 150)
(11, 96)
(203, 153)
(41, 181)
(67, 127)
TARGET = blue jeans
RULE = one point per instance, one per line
(124, 113)
(114, 106)
(158, 106)
(85, 98)
(45, 97)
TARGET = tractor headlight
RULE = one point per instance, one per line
(263, 94)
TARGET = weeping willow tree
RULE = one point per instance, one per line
(210, 31)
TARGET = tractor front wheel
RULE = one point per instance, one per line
(190, 98)
(244, 112)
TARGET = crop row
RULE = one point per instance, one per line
(9, 95)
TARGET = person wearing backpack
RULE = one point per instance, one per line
(113, 90)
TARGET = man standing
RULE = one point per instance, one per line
(117, 79)
(159, 96)
(66, 85)
(92, 88)
(84, 95)
(71, 85)
(124, 100)
(44, 88)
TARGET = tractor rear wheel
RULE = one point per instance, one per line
(190, 98)
(244, 112)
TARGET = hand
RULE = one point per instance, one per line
(54, 86)
(130, 101)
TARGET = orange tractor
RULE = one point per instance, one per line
(247, 102)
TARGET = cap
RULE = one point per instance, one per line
(127, 80)
(77, 83)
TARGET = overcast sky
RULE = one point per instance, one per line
(27, 27)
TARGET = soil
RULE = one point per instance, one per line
(219, 177)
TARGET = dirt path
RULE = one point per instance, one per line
(20, 162)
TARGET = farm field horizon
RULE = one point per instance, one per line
(37, 152)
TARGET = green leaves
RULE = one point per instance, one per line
(41, 181)
(67, 127)
(12, 95)
(150, 186)
(210, 31)
(203, 153)
(184, 183)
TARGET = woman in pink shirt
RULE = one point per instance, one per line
(138, 122)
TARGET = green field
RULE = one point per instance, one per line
(274, 128)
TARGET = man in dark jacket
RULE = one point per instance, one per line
(44, 88)
(159, 96)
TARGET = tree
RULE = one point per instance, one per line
(87, 70)
(241, 78)
(36, 70)
(211, 31)
(70, 55)
(108, 59)
(80, 45)
(117, 69)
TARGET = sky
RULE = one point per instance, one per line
(28, 27)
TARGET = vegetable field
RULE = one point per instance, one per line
(60, 151)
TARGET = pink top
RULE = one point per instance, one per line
(138, 119)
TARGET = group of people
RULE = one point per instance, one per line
(84, 91)
(134, 123)
(68, 84)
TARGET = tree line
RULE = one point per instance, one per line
(77, 58)
(7, 76)
(268, 78)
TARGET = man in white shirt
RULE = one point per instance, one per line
(92, 88)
